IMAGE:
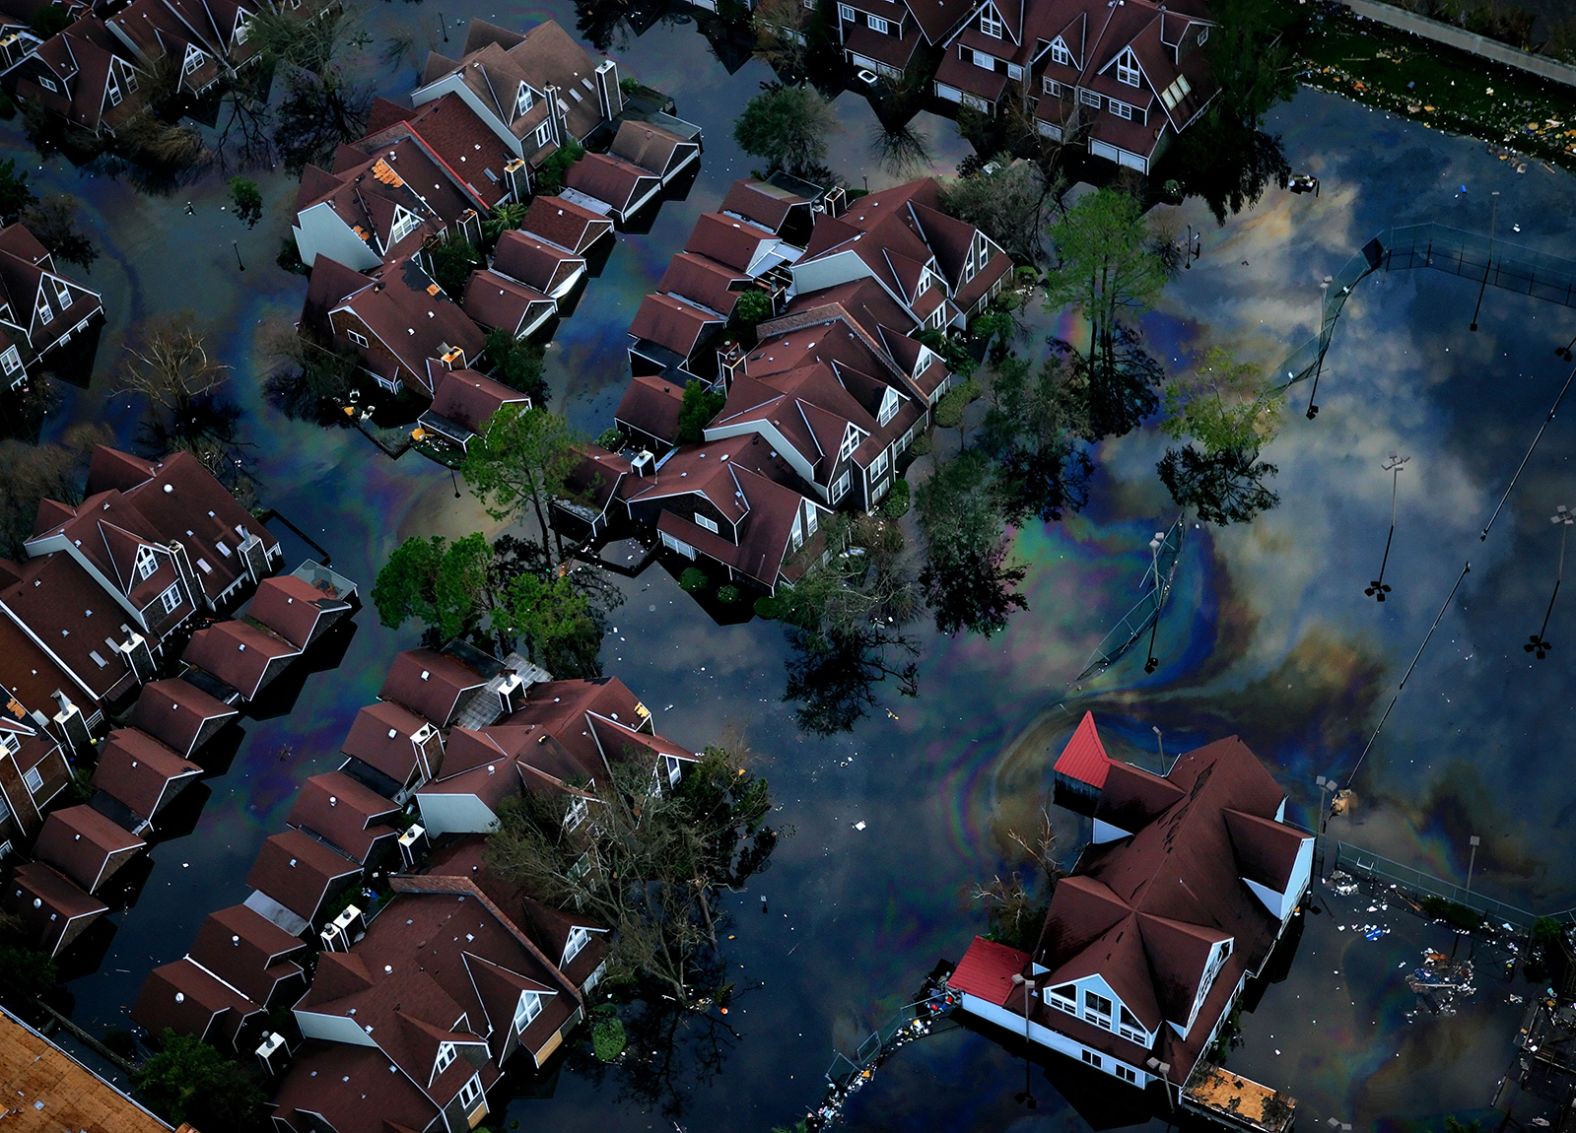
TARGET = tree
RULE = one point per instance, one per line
(899, 147)
(54, 221)
(751, 309)
(452, 262)
(518, 364)
(1017, 902)
(1249, 57)
(15, 194)
(549, 176)
(51, 20)
(1227, 164)
(166, 362)
(1224, 406)
(1107, 269)
(1029, 432)
(788, 126)
(446, 586)
(784, 30)
(248, 200)
(190, 1081)
(651, 864)
(554, 623)
(27, 972)
(966, 580)
(307, 377)
(1008, 205)
(506, 216)
(1222, 487)
(522, 459)
(696, 410)
(322, 105)
(36, 472)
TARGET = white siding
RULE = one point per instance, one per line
(1105, 832)
(1282, 904)
(320, 230)
(1054, 1040)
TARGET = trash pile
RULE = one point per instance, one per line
(1440, 981)
(940, 1001)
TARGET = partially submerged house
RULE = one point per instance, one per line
(180, 715)
(33, 771)
(86, 846)
(464, 405)
(295, 877)
(86, 76)
(41, 308)
(1189, 882)
(392, 749)
(52, 909)
(294, 609)
(241, 656)
(141, 774)
(348, 815)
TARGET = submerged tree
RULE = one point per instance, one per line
(966, 579)
(34, 472)
(518, 364)
(788, 126)
(521, 462)
(247, 199)
(1017, 901)
(650, 863)
(1007, 204)
(189, 1081)
(167, 362)
(53, 221)
(1225, 409)
(1031, 432)
(15, 193)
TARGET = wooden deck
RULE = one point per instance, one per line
(1230, 1097)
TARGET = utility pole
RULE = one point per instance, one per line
(1027, 1097)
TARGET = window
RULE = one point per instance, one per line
(675, 769)
(707, 522)
(983, 61)
(9, 744)
(1120, 109)
(34, 780)
(1128, 1026)
(1052, 87)
(877, 24)
(1203, 36)
(11, 361)
(1126, 1073)
(578, 939)
(845, 13)
(878, 467)
(5, 814)
(356, 337)
(888, 407)
(171, 599)
(446, 1057)
(522, 101)
(45, 314)
(526, 1011)
(576, 812)
(796, 536)
(812, 518)
(147, 563)
(1089, 98)
(1063, 997)
(62, 294)
(131, 79)
(242, 29)
(114, 92)
(47, 84)
(544, 133)
(405, 223)
(840, 488)
(1092, 1059)
(1127, 69)
(1097, 1008)
(471, 1092)
(1060, 54)
(990, 23)
(193, 61)
(1014, 71)
(850, 443)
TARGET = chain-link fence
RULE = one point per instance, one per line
(1366, 864)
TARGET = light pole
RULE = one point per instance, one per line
(1155, 544)
(1565, 351)
(1472, 861)
(1161, 744)
(1326, 785)
(1027, 1097)
(1493, 223)
(1537, 644)
(1377, 589)
(236, 248)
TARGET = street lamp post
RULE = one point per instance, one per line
(1325, 785)
(1160, 743)
(1537, 644)
(1155, 544)
(1377, 589)
(1565, 351)
(1027, 1097)
(1487, 267)
(1472, 861)
(236, 248)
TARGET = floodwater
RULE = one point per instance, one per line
(1268, 634)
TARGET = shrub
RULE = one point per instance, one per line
(766, 606)
(611, 439)
(693, 580)
(697, 409)
(729, 593)
(607, 1038)
(550, 176)
(922, 446)
(895, 506)
(629, 85)
(949, 410)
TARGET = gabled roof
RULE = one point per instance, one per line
(500, 303)
(534, 262)
(352, 817)
(382, 737)
(247, 951)
(404, 309)
(73, 618)
(564, 223)
(703, 280)
(611, 180)
(674, 324)
(471, 398)
(240, 654)
(645, 145)
(190, 1000)
(1084, 758)
(137, 770)
(291, 607)
(430, 683)
(81, 843)
(762, 202)
(298, 871)
(728, 240)
(462, 144)
(651, 404)
(352, 1089)
(46, 902)
(175, 712)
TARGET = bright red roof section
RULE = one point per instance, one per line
(986, 970)
(1084, 757)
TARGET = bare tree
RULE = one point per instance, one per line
(166, 362)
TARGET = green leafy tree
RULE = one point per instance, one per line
(553, 621)
(1008, 205)
(752, 308)
(1107, 269)
(26, 972)
(51, 20)
(788, 126)
(652, 864)
(966, 580)
(1250, 57)
(518, 364)
(506, 216)
(247, 199)
(446, 586)
(188, 1081)
(696, 410)
(520, 462)
(549, 176)
(1223, 407)
(1030, 430)
(452, 262)
(15, 194)
(54, 221)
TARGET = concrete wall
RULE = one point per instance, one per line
(1464, 40)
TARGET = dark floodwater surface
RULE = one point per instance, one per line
(1268, 635)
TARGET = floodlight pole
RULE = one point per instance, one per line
(1487, 267)
(1538, 645)
(1027, 1097)
(1377, 589)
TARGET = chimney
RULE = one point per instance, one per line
(70, 724)
(517, 175)
(553, 118)
(273, 1054)
(609, 95)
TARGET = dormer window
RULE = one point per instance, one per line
(242, 29)
(888, 407)
(1127, 68)
(446, 1056)
(576, 812)
(578, 939)
(1128, 1026)
(1060, 54)
(523, 102)
(990, 22)
(526, 1011)
(48, 84)
(62, 294)
(1098, 1009)
(9, 744)
(850, 443)
(194, 59)
(405, 222)
(471, 1092)
(147, 563)
(878, 25)
(1063, 997)
(46, 314)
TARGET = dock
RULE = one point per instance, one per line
(1228, 1097)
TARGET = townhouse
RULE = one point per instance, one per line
(85, 76)
(896, 40)
(1122, 79)
(41, 308)
(141, 776)
(1188, 883)
(34, 770)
